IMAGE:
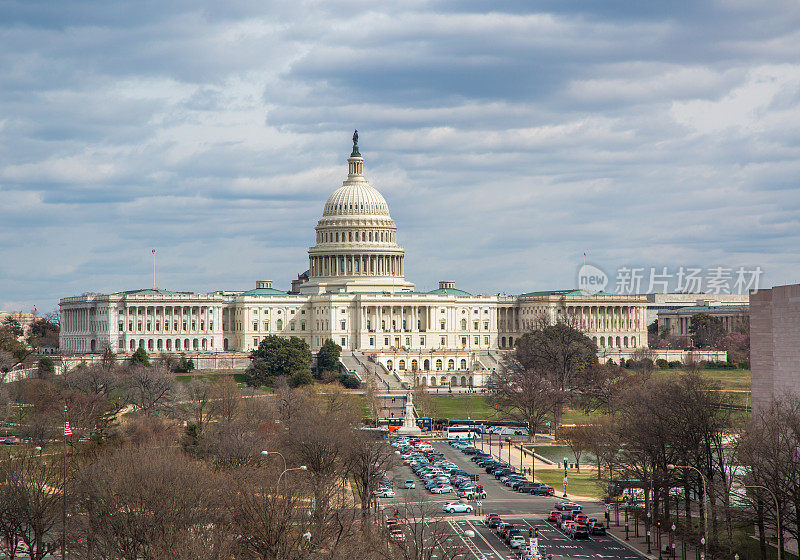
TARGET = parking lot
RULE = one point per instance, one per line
(525, 510)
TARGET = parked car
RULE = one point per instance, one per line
(443, 489)
(384, 493)
(579, 531)
(397, 535)
(453, 507)
(597, 529)
(565, 505)
(554, 516)
(409, 484)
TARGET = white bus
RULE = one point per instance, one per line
(460, 432)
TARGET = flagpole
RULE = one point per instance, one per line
(64, 494)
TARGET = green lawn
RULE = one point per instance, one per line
(580, 484)
(186, 378)
(461, 407)
(729, 379)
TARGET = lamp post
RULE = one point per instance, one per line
(777, 514)
(705, 503)
(626, 522)
(648, 532)
(265, 453)
(672, 539)
(300, 468)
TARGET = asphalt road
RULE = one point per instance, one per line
(522, 509)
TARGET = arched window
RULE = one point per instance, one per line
(133, 345)
(602, 341)
(438, 365)
(159, 344)
(195, 344)
(463, 324)
(450, 365)
(426, 365)
(511, 341)
(503, 342)
(150, 344)
(185, 343)
(463, 381)
(401, 365)
(414, 365)
(470, 381)
(433, 382)
(279, 324)
(205, 344)
(625, 341)
(169, 344)
(463, 365)
(443, 381)
(633, 342)
(424, 381)
(389, 365)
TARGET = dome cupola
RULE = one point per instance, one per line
(356, 247)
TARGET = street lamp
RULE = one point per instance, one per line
(777, 513)
(704, 541)
(300, 468)
(265, 453)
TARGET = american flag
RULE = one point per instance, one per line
(67, 429)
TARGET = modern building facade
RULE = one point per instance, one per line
(657, 303)
(354, 293)
(774, 344)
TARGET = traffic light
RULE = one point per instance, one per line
(536, 532)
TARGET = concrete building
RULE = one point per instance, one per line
(657, 303)
(678, 321)
(774, 343)
(354, 293)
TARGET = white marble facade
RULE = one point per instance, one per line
(354, 293)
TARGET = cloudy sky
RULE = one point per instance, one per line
(507, 141)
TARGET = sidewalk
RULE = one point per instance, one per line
(639, 544)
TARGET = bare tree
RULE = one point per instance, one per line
(151, 390)
(199, 392)
(225, 398)
(522, 394)
(368, 460)
(31, 492)
(172, 498)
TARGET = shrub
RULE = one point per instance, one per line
(350, 381)
(662, 363)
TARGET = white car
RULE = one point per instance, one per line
(384, 493)
(409, 484)
(453, 507)
(444, 489)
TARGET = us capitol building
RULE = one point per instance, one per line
(354, 293)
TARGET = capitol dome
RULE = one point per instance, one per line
(356, 198)
(356, 239)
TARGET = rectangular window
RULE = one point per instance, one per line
(158, 326)
(291, 325)
(369, 325)
(386, 341)
(255, 325)
(175, 324)
(266, 325)
(475, 325)
(194, 325)
(486, 325)
(443, 341)
(344, 342)
(130, 326)
(303, 326)
(383, 325)
(408, 341)
(292, 311)
(476, 340)
(344, 325)
(121, 327)
(441, 325)
(148, 326)
(372, 341)
(203, 325)
(211, 326)
(255, 342)
(422, 341)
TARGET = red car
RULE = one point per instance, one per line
(555, 515)
(581, 519)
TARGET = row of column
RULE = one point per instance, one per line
(356, 265)
(508, 319)
(76, 320)
(376, 314)
(607, 318)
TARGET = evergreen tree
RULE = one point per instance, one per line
(277, 356)
(328, 357)
(140, 357)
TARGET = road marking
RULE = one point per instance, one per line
(468, 543)
(484, 539)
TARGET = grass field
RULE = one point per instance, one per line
(581, 484)
(186, 378)
(729, 379)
